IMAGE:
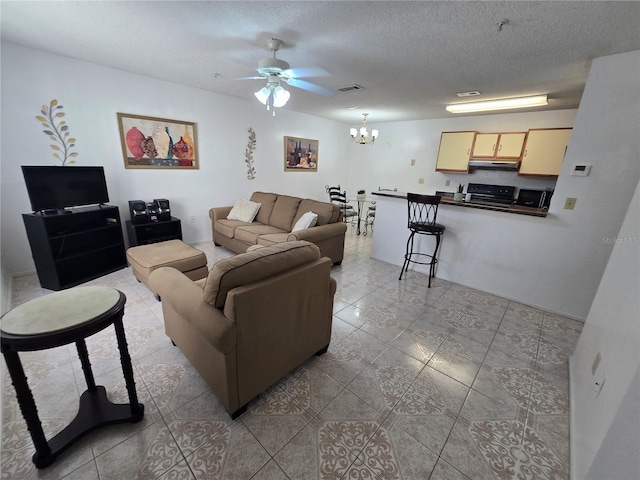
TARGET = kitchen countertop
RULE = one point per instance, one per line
(447, 199)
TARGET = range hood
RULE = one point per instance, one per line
(493, 165)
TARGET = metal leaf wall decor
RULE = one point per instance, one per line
(248, 154)
(58, 132)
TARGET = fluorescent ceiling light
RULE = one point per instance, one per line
(505, 104)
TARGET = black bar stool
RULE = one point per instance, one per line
(422, 213)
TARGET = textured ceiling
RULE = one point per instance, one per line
(410, 57)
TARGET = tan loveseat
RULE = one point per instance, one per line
(273, 223)
(256, 317)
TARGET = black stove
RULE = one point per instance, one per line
(491, 194)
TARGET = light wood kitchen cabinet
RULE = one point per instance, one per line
(544, 152)
(499, 145)
(455, 151)
(510, 145)
(485, 146)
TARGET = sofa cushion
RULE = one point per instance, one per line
(267, 200)
(244, 210)
(254, 266)
(250, 233)
(228, 227)
(307, 220)
(327, 212)
(284, 211)
(273, 238)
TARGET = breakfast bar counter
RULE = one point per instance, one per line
(486, 247)
(447, 199)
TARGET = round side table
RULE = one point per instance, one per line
(58, 319)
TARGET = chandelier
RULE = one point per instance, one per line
(272, 94)
(361, 135)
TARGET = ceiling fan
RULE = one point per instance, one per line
(275, 70)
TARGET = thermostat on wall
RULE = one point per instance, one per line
(581, 170)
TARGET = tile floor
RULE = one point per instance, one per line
(441, 383)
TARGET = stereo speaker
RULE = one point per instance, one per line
(138, 211)
(164, 210)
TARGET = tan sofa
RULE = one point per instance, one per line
(256, 317)
(274, 221)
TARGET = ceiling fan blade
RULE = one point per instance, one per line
(311, 87)
(255, 77)
(305, 72)
(221, 82)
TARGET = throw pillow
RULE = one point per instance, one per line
(307, 220)
(244, 210)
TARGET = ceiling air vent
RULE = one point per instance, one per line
(350, 88)
(473, 93)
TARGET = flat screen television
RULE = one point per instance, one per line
(52, 188)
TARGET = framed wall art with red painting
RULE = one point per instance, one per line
(151, 142)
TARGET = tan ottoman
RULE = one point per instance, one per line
(144, 259)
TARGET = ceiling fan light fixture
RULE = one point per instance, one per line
(280, 96)
(272, 95)
(361, 135)
(263, 95)
(504, 104)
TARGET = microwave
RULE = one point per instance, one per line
(534, 198)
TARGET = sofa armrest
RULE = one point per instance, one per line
(184, 297)
(215, 214)
(218, 213)
(318, 233)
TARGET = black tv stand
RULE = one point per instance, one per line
(153, 232)
(54, 211)
(75, 246)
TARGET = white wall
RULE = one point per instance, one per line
(605, 429)
(92, 95)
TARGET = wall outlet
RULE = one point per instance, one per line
(192, 219)
(570, 203)
(421, 181)
(447, 183)
(413, 162)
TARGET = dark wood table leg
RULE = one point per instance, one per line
(27, 406)
(127, 369)
(86, 365)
